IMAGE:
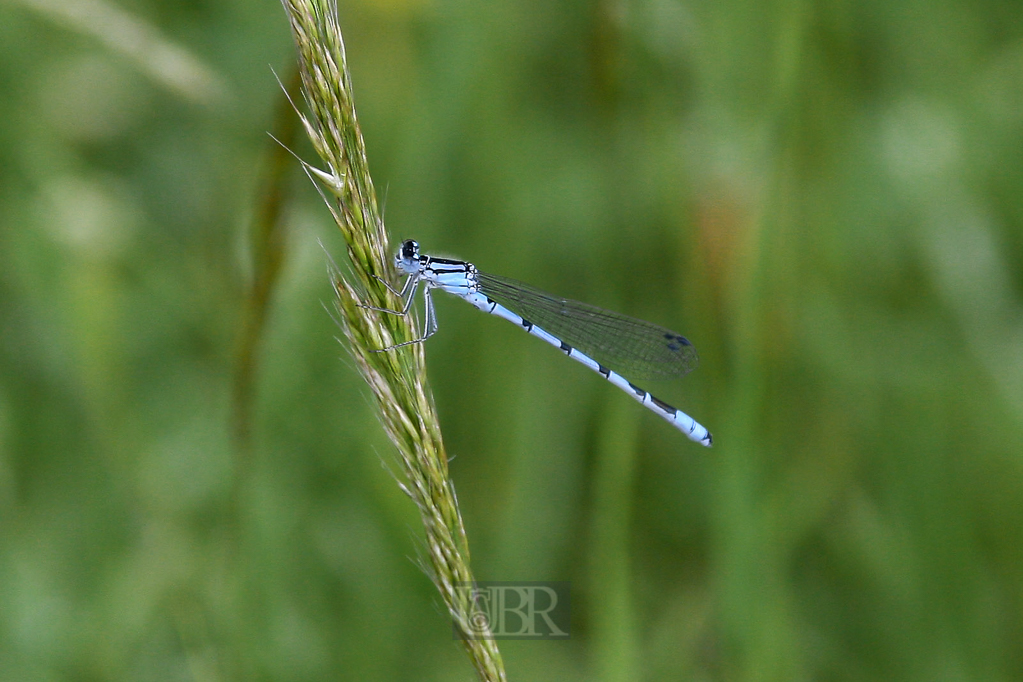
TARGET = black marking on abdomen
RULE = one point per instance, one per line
(639, 391)
(664, 406)
(527, 324)
(493, 304)
(565, 347)
(604, 370)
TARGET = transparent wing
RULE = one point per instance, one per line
(633, 348)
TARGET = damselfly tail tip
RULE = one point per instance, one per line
(708, 441)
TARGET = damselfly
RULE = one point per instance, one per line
(606, 342)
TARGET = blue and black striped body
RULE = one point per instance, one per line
(645, 347)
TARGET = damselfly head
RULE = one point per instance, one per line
(407, 258)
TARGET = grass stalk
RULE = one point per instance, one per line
(398, 378)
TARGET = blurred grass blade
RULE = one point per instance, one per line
(398, 379)
(141, 43)
(267, 244)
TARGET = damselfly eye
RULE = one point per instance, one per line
(409, 249)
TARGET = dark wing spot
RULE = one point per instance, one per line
(676, 341)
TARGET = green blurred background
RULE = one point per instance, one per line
(824, 197)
